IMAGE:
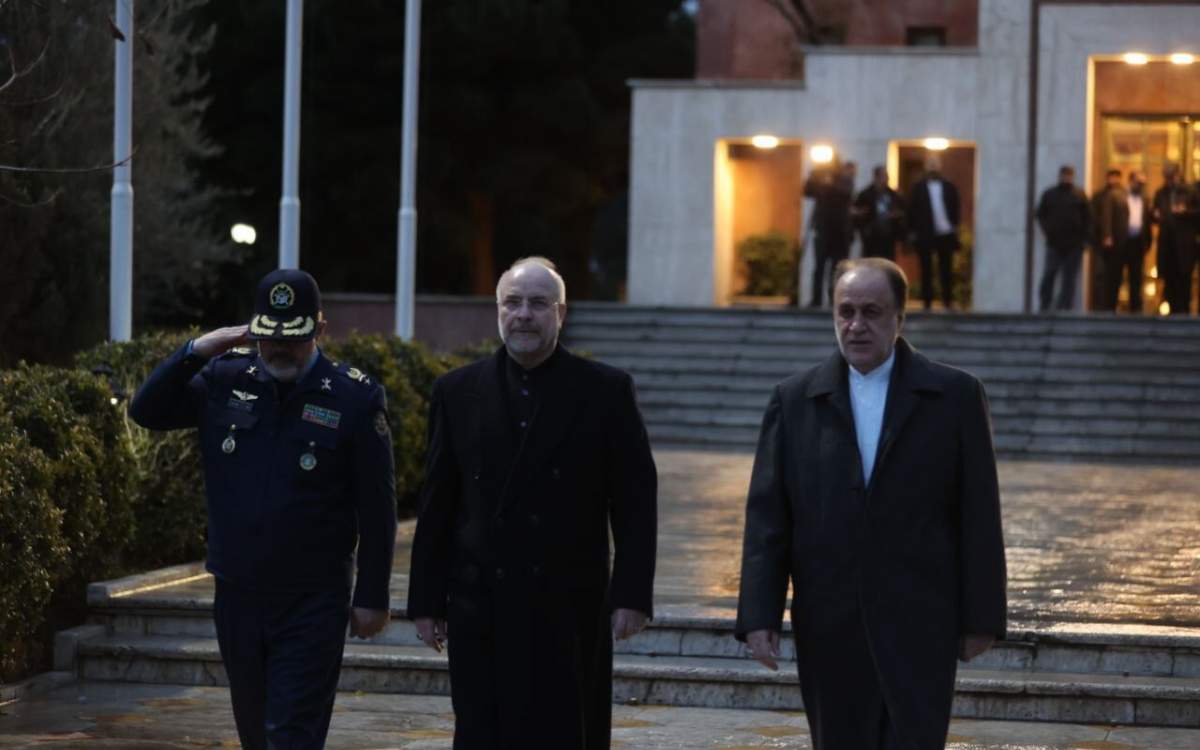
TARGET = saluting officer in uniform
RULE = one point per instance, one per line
(298, 471)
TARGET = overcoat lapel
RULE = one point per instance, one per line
(832, 382)
(909, 377)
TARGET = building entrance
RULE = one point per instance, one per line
(1145, 144)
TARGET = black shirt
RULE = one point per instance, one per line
(523, 388)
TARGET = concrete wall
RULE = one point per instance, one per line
(860, 99)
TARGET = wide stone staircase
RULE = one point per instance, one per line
(158, 629)
(1065, 386)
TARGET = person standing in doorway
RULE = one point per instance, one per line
(1064, 217)
(1131, 249)
(933, 218)
(1110, 211)
(1175, 211)
(879, 214)
(832, 191)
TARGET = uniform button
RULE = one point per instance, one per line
(476, 477)
(523, 423)
(524, 391)
(537, 570)
(554, 472)
(534, 520)
(499, 574)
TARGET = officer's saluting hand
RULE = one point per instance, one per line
(300, 485)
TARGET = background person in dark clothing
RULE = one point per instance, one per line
(933, 218)
(879, 215)
(1132, 245)
(832, 191)
(1110, 213)
(1176, 211)
(1064, 217)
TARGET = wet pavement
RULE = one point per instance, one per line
(111, 716)
(1087, 543)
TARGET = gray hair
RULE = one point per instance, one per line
(536, 260)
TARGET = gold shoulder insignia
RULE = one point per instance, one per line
(358, 375)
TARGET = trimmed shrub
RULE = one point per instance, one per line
(407, 372)
(772, 262)
(69, 416)
(168, 479)
(31, 547)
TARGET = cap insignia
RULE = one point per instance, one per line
(281, 296)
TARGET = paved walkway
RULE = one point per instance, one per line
(110, 716)
(1087, 543)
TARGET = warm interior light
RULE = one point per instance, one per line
(1135, 58)
(764, 141)
(822, 153)
(1183, 58)
(1164, 308)
(1150, 288)
(1154, 272)
(936, 144)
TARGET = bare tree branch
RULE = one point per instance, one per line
(36, 204)
(796, 13)
(69, 170)
(18, 73)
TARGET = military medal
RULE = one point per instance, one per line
(229, 445)
(308, 461)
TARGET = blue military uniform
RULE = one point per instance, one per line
(296, 475)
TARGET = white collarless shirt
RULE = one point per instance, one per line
(868, 398)
(1135, 214)
(941, 220)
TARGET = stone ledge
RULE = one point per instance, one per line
(102, 593)
(42, 683)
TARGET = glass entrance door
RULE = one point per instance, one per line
(1145, 144)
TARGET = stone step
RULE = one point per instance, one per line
(684, 681)
(1182, 384)
(1143, 348)
(1002, 404)
(1098, 427)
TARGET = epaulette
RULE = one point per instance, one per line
(353, 373)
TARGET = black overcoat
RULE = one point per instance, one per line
(512, 548)
(920, 212)
(908, 563)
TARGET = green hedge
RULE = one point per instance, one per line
(86, 494)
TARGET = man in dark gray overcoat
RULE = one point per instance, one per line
(874, 490)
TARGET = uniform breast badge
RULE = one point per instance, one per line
(308, 460)
(229, 445)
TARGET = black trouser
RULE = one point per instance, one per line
(943, 245)
(1064, 262)
(830, 251)
(1126, 257)
(1187, 260)
(879, 247)
(282, 653)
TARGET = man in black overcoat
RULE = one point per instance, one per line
(874, 491)
(1176, 211)
(534, 455)
(879, 215)
(832, 191)
(934, 213)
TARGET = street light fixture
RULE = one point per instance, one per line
(1136, 58)
(764, 141)
(1183, 58)
(936, 144)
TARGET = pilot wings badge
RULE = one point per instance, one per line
(243, 396)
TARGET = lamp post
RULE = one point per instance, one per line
(406, 250)
(289, 202)
(120, 279)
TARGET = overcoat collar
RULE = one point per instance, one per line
(911, 376)
(559, 396)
